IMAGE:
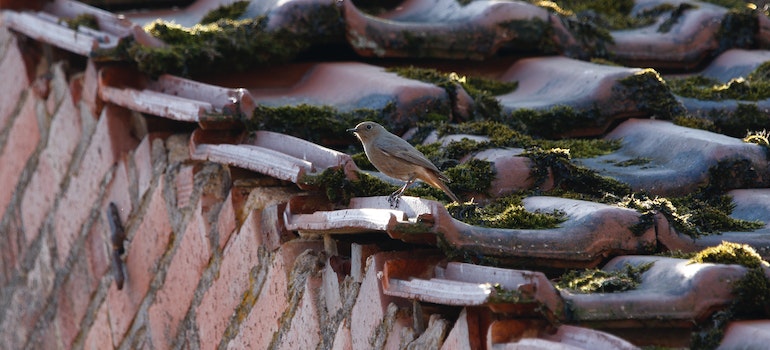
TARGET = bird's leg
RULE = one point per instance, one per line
(394, 197)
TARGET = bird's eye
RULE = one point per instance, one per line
(368, 126)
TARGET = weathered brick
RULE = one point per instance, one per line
(21, 143)
(99, 336)
(15, 78)
(111, 138)
(343, 339)
(173, 299)
(73, 297)
(465, 333)
(55, 158)
(304, 330)
(184, 184)
(143, 162)
(256, 331)
(226, 222)
(141, 264)
(220, 300)
(28, 301)
(371, 303)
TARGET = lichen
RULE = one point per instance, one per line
(601, 281)
(229, 11)
(505, 212)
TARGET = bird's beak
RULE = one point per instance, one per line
(353, 130)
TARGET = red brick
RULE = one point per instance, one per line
(304, 330)
(28, 301)
(184, 272)
(15, 79)
(110, 139)
(21, 143)
(225, 294)
(99, 336)
(55, 158)
(143, 253)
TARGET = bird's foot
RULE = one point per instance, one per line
(393, 199)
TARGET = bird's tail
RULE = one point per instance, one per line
(437, 180)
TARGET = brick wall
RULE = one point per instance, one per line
(205, 266)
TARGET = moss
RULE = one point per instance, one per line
(552, 122)
(600, 281)
(229, 45)
(751, 292)
(730, 174)
(676, 14)
(319, 124)
(609, 14)
(501, 294)
(339, 189)
(480, 89)
(633, 162)
(693, 215)
(473, 176)
(761, 138)
(568, 176)
(695, 123)
(503, 136)
(229, 11)
(730, 253)
(531, 36)
(505, 212)
(651, 94)
(85, 20)
(739, 28)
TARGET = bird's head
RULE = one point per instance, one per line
(367, 130)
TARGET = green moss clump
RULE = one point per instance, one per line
(676, 14)
(693, 122)
(480, 89)
(506, 212)
(600, 281)
(552, 122)
(473, 176)
(319, 124)
(503, 136)
(228, 45)
(339, 189)
(739, 28)
(571, 177)
(755, 87)
(229, 11)
(85, 20)
(651, 94)
(752, 292)
(730, 253)
(693, 215)
(634, 162)
(503, 295)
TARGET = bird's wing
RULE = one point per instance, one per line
(399, 148)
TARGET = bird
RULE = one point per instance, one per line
(396, 158)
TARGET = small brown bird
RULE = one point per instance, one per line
(395, 157)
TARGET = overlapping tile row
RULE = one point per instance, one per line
(216, 250)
